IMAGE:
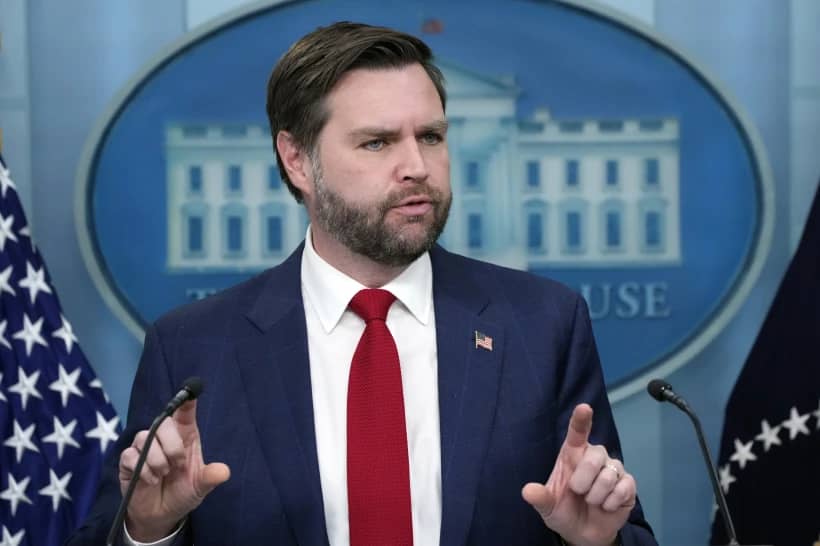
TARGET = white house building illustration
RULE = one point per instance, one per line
(527, 193)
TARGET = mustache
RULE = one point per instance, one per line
(421, 191)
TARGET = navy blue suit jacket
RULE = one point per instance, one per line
(503, 413)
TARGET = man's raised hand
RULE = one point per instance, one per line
(174, 479)
(588, 495)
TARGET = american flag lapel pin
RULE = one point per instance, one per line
(483, 340)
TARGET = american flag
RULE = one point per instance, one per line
(56, 423)
(484, 341)
(770, 446)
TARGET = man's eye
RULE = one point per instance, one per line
(431, 138)
(374, 145)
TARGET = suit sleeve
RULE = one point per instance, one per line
(583, 381)
(151, 390)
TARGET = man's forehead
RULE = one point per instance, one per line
(384, 97)
(374, 81)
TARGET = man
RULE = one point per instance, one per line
(332, 426)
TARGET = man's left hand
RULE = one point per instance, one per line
(588, 495)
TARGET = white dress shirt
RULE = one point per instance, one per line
(333, 332)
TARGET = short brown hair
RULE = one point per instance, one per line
(312, 66)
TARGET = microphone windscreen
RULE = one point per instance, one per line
(194, 386)
(656, 388)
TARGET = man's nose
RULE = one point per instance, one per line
(412, 165)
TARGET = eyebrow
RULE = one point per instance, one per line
(383, 132)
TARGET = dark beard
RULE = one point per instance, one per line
(364, 230)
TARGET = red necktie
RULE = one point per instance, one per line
(378, 472)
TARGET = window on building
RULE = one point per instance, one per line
(652, 230)
(274, 181)
(608, 126)
(195, 179)
(573, 232)
(234, 234)
(652, 172)
(572, 172)
(535, 231)
(651, 124)
(234, 179)
(611, 172)
(473, 175)
(613, 229)
(234, 131)
(571, 126)
(533, 174)
(273, 239)
(195, 131)
(195, 240)
(474, 231)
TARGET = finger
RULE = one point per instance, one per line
(185, 419)
(128, 462)
(606, 480)
(580, 424)
(587, 469)
(186, 414)
(155, 459)
(540, 498)
(170, 439)
(622, 496)
(210, 476)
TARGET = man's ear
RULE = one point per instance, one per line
(296, 162)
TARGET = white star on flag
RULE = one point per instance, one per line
(4, 281)
(15, 493)
(26, 232)
(62, 436)
(726, 478)
(66, 333)
(97, 384)
(2, 396)
(56, 489)
(105, 431)
(35, 281)
(12, 540)
(30, 334)
(66, 385)
(6, 233)
(768, 435)
(5, 180)
(21, 440)
(3, 341)
(743, 453)
(796, 423)
(816, 414)
(26, 386)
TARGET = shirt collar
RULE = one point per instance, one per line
(329, 291)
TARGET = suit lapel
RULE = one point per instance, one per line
(468, 379)
(274, 364)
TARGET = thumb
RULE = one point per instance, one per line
(212, 475)
(540, 498)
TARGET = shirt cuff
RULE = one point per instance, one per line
(128, 541)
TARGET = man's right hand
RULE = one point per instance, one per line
(174, 479)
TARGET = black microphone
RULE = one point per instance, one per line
(191, 388)
(662, 392)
